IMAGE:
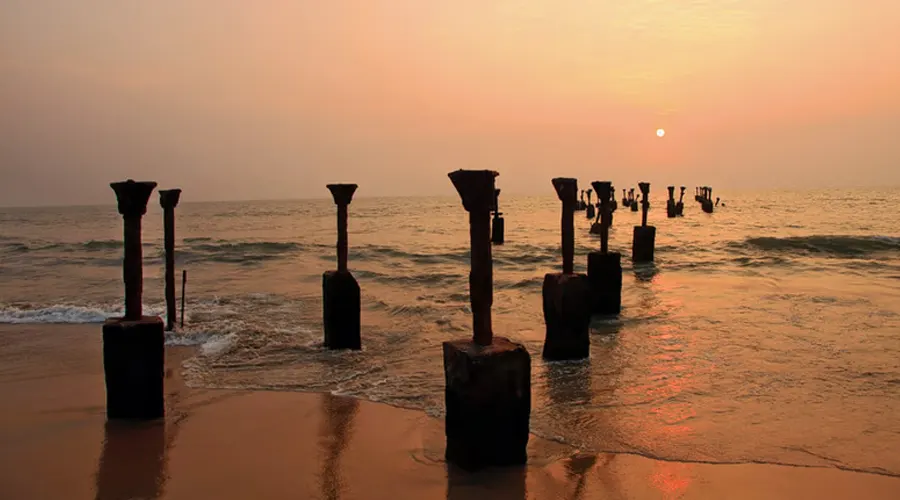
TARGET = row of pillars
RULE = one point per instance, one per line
(704, 197)
(488, 377)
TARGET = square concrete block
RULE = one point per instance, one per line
(605, 277)
(341, 302)
(567, 314)
(643, 243)
(488, 399)
(134, 361)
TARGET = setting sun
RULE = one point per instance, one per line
(660, 132)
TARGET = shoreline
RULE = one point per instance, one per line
(235, 443)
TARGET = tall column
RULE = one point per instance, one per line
(566, 295)
(340, 290)
(134, 345)
(488, 378)
(605, 267)
(644, 236)
(168, 200)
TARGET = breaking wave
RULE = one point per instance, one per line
(829, 246)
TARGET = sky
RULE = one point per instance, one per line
(272, 99)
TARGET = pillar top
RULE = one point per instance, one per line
(168, 198)
(645, 187)
(475, 188)
(342, 193)
(133, 196)
(603, 189)
(566, 188)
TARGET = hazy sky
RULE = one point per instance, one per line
(239, 99)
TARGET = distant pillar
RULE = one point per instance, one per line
(679, 207)
(644, 235)
(488, 379)
(340, 290)
(605, 267)
(497, 224)
(625, 201)
(671, 210)
(707, 203)
(566, 295)
(133, 346)
(590, 206)
(633, 204)
(168, 200)
(613, 204)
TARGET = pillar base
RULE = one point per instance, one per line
(671, 210)
(497, 230)
(643, 243)
(590, 212)
(596, 227)
(341, 302)
(567, 314)
(605, 277)
(679, 209)
(707, 206)
(488, 402)
(635, 207)
(134, 361)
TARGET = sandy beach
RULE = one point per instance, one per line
(227, 444)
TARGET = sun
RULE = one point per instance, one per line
(660, 132)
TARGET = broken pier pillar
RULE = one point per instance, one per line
(605, 267)
(134, 345)
(671, 210)
(340, 290)
(497, 223)
(168, 200)
(644, 236)
(566, 295)
(488, 379)
(679, 207)
(590, 206)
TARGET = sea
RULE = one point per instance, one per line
(766, 332)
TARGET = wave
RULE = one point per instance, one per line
(56, 314)
(830, 246)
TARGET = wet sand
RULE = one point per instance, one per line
(235, 444)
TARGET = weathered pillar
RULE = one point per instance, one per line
(605, 267)
(134, 345)
(581, 204)
(613, 204)
(340, 290)
(497, 224)
(566, 295)
(488, 379)
(634, 201)
(644, 235)
(168, 200)
(590, 206)
(679, 207)
(625, 200)
(671, 209)
(707, 203)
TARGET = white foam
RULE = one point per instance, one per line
(62, 314)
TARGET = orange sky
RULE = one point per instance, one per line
(231, 99)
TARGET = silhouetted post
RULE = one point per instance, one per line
(613, 204)
(644, 235)
(634, 201)
(717, 201)
(340, 291)
(497, 225)
(590, 206)
(567, 296)
(707, 203)
(133, 346)
(168, 200)
(183, 287)
(679, 207)
(605, 267)
(671, 210)
(625, 201)
(488, 379)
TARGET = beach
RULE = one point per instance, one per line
(231, 444)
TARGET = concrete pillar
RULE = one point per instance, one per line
(590, 206)
(605, 267)
(566, 295)
(497, 224)
(679, 207)
(340, 290)
(488, 379)
(134, 345)
(707, 203)
(644, 236)
(168, 200)
(671, 211)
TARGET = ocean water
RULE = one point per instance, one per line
(766, 332)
